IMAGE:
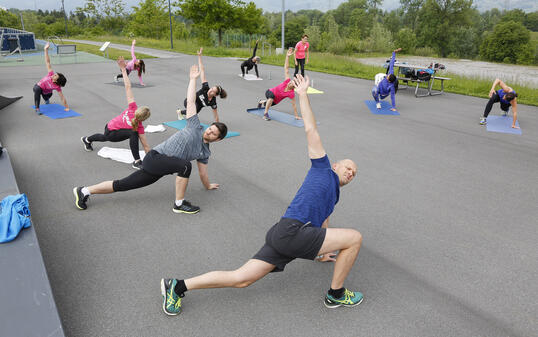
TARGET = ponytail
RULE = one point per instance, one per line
(141, 114)
(141, 68)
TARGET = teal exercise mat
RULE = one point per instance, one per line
(502, 124)
(181, 124)
(278, 116)
(56, 111)
(385, 108)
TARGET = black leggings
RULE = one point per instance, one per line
(300, 62)
(121, 74)
(154, 166)
(118, 136)
(494, 99)
(38, 92)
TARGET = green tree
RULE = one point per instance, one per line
(218, 15)
(407, 40)
(516, 15)
(411, 9)
(439, 19)
(10, 20)
(393, 20)
(531, 21)
(150, 19)
(251, 18)
(108, 13)
(509, 42)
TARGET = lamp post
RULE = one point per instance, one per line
(65, 18)
(282, 33)
(170, 17)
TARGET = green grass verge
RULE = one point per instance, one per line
(325, 63)
(113, 54)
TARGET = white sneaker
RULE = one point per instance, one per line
(179, 114)
(116, 78)
(482, 121)
(378, 105)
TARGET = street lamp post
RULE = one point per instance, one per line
(282, 38)
(170, 17)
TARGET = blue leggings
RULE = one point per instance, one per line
(376, 94)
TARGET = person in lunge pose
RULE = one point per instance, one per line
(53, 81)
(206, 96)
(506, 96)
(133, 64)
(302, 232)
(285, 89)
(171, 156)
(251, 62)
(128, 125)
(301, 50)
(386, 85)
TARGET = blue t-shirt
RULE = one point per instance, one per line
(501, 94)
(317, 196)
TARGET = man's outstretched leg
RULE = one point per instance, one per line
(172, 289)
(348, 242)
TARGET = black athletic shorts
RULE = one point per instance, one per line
(290, 239)
(269, 94)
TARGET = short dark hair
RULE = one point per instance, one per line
(304, 36)
(392, 78)
(61, 81)
(510, 96)
(223, 129)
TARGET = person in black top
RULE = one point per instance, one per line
(251, 62)
(206, 96)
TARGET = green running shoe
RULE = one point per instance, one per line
(171, 301)
(349, 299)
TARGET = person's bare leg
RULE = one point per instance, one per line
(181, 187)
(102, 188)
(348, 241)
(250, 272)
(268, 104)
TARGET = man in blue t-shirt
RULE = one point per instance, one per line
(301, 233)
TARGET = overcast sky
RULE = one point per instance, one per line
(267, 5)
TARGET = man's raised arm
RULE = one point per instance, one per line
(191, 91)
(315, 148)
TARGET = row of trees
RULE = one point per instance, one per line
(452, 28)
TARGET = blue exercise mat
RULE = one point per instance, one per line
(181, 124)
(502, 124)
(278, 116)
(56, 111)
(385, 108)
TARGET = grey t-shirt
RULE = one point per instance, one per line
(187, 144)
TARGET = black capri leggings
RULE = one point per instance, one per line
(154, 166)
(494, 99)
(38, 92)
(118, 136)
(300, 62)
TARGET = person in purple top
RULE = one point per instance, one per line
(303, 232)
(133, 64)
(386, 86)
(506, 96)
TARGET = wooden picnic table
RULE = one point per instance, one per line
(429, 83)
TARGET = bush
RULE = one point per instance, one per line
(425, 51)
(344, 47)
(507, 42)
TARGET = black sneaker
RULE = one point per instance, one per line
(87, 145)
(80, 198)
(137, 164)
(186, 207)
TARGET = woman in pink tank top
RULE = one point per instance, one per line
(133, 64)
(301, 53)
(53, 81)
(285, 89)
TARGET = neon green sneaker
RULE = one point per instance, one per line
(171, 301)
(349, 299)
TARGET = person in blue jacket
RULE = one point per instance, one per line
(506, 96)
(386, 86)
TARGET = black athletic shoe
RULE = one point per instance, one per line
(80, 198)
(87, 145)
(186, 207)
(137, 165)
